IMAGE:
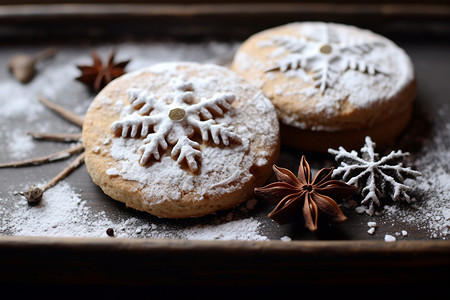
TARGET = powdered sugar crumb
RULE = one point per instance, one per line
(285, 239)
(389, 238)
(112, 172)
(372, 224)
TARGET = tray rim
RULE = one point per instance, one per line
(83, 9)
(273, 263)
(431, 257)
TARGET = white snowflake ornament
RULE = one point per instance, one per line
(325, 55)
(376, 178)
(164, 122)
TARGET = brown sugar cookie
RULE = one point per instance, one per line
(180, 139)
(332, 84)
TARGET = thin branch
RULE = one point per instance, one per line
(34, 194)
(68, 115)
(44, 159)
(64, 173)
(57, 137)
(46, 53)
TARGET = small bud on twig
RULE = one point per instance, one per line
(33, 195)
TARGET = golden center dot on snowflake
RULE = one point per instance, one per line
(158, 132)
(325, 49)
(177, 114)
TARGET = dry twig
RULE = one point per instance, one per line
(56, 137)
(34, 194)
(64, 173)
(44, 159)
(68, 115)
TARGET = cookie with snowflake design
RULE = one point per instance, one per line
(378, 179)
(180, 139)
(332, 84)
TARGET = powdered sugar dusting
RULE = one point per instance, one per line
(67, 211)
(64, 210)
(431, 207)
(350, 53)
(231, 230)
(376, 177)
(224, 169)
(63, 213)
(20, 145)
(332, 62)
(175, 123)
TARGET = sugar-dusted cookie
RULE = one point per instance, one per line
(332, 84)
(180, 139)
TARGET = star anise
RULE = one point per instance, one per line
(316, 195)
(98, 75)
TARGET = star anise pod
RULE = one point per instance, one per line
(98, 75)
(313, 196)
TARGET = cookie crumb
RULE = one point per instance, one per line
(96, 150)
(360, 210)
(107, 141)
(112, 172)
(251, 203)
(229, 217)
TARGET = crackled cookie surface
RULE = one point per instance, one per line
(180, 139)
(332, 84)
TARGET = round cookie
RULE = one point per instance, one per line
(332, 84)
(180, 139)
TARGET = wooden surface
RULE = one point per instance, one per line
(342, 254)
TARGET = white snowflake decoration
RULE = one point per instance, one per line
(326, 56)
(375, 178)
(162, 123)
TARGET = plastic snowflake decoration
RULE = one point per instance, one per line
(161, 123)
(326, 56)
(375, 178)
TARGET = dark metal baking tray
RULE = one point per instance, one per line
(339, 254)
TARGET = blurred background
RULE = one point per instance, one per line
(27, 20)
